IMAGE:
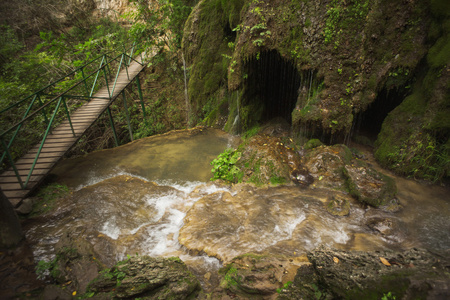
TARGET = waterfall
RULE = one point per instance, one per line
(236, 122)
(188, 107)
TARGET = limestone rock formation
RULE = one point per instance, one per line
(144, 276)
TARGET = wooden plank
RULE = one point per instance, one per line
(24, 161)
(11, 173)
(44, 154)
(10, 179)
(37, 166)
(16, 187)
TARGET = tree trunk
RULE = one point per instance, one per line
(10, 230)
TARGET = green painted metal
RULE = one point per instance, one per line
(127, 114)
(96, 76)
(44, 113)
(58, 100)
(117, 76)
(43, 141)
(111, 121)
(141, 98)
(68, 116)
(18, 128)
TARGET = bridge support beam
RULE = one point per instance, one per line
(128, 114)
(111, 121)
(138, 83)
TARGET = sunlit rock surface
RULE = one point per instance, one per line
(283, 219)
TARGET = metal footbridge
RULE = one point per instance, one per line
(94, 87)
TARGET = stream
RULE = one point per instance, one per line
(153, 197)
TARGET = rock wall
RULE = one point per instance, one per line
(348, 56)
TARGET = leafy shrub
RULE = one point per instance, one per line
(224, 166)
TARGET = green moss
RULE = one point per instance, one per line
(439, 54)
(312, 143)
(47, 197)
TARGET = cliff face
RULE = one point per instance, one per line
(328, 67)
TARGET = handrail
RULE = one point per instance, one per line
(63, 93)
(65, 76)
(59, 99)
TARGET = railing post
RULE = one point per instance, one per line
(126, 67)
(85, 84)
(68, 115)
(43, 110)
(131, 53)
(106, 81)
(43, 141)
(107, 65)
(127, 114)
(12, 163)
(117, 75)
(111, 121)
(96, 76)
(141, 98)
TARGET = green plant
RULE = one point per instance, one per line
(388, 296)
(224, 166)
(231, 278)
(48, 195)
(44, 268)
(285, 286)
(251, 132)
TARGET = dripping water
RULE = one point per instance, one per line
(188, 108)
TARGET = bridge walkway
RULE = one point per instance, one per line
(61, 139)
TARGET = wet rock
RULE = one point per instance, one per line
(271, 160)
(302, 177)
(392, 205)
(79, 261)
(339, 205)
(18, 273)
(411, 274)
(304, 286)
(325, 164)
(144, 276)
(55, 292)
(278, 220)
(26, 207)
(313, 143)
(368, 185)
(253, 276)
(384, 226)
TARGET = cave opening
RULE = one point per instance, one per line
(272, 86)
(367, 124)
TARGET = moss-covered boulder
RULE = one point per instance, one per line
(339, 205)
(272, 160)
(147, 278)
(413, 274)
(321, 65)
(368, 185)
(326, 163)
(254, 276)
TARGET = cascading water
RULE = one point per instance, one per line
(151, 197)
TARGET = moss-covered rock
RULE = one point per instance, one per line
(253, 276)
(412, 274)
(326, 163)
(338, 205)
(147, 278)
(270, 160)
(368, 185)
(334, 58)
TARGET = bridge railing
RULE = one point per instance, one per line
(52, 108)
